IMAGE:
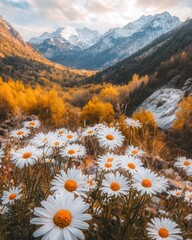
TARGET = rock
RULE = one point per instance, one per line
(179, 184)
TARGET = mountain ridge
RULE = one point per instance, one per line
(113, 46)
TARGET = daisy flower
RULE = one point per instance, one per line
(61, 131)
(109, 157)
(108, 165)
(91, 183)
(133, 123)
(3, 210)
(61, 218)
(1, 153)
(110, 137)
(73, 150)
(42, 139)
(11, 195)
(176, 193)
(57, 142)
(32, 124)
(134, 151)
(20, 133)
(188, 196)
(163, 228)
(115, 184)
(90, 131)
(70, 136)
(26, 156)
(50, 160)
(130, 163)
(148, 182)
(183, 163)
(72, 182)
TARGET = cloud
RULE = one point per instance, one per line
(31, 16)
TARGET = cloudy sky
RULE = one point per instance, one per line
(33, 17)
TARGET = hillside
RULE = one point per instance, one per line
(19, 60)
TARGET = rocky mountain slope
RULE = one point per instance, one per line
(19, 60)
(89, 50)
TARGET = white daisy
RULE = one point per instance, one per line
(90, 131)
(61, 218)
(61, 131)
(70, 137)
(73, 150)
(148, 182)
(11, 195)
(57, 142)
(50, 160)
(133, 123)
(91, 183)
(115, 184)
(73, 182)
(2, 153)
(188, 197)
(134, 151)
(42, 139)
(3, 210)
(26, 156)
(108, 165)
(183, 163)
(110, 137)
(176, 193)
(32, 124)
(20, 133)
(109, 157)
(131, 163)
(163, 229)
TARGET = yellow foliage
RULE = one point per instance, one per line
(97, 111)
(109, 94)
(145, 117)
(183, 113)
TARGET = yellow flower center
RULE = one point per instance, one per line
(178, 193)
(60, 132)
(45, 139)
(131, 165)
(32, 124)
(146, 183)
(56, 143)
(12, 196)
(70, 185)
(109, 159)
(110, 137)
(115, 186)
(90, 183)
(186, 163)
(62, 218)
(71, 151)
(108, 165)
(69, 136)
(27, 155)
(90, 132)
(20, 133)
(135, 151)
(163, 233)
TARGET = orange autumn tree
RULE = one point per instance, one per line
(184, 114)
(97, 111)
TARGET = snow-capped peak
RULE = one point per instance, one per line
(82, 38)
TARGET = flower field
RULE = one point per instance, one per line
(91, 183)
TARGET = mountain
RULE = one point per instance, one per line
(20, 60)
(168, 63)
(106, 50)
(65, 40)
